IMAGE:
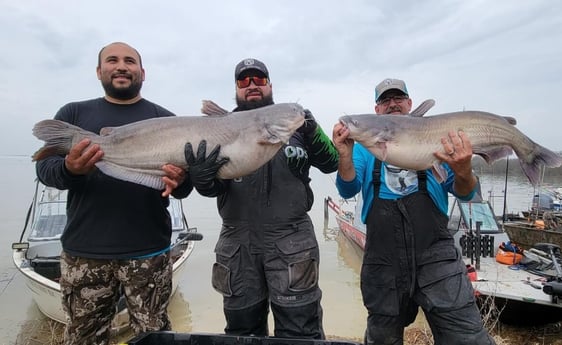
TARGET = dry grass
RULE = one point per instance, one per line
(550, 334)
(40, 332)
(490, 317)
(49, 332)
(418, 336)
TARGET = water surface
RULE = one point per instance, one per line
(196, 307)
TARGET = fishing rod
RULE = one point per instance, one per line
(504, 216)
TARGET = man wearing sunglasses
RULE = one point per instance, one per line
(410, 260)
(267, 254)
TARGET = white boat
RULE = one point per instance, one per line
(521, 293)
(37, 258)
(518, 290)
(349, 224)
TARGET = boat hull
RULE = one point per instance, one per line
(526, 235)
(511, 292)
(355, 235)
(38, 258)
(46, 293)
(506, 285)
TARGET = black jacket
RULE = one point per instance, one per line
(109, 218)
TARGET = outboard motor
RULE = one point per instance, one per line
(542, 202)
(554, 289)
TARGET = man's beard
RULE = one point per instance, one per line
(122, 94)
(249, 105)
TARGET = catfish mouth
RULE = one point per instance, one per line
(346, 121)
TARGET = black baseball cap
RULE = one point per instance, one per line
(248, 64)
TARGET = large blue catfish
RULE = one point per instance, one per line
(409, 142)
(137, 151)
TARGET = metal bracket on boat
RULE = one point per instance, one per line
(20, 245)
(190, 236)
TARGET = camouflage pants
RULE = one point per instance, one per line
(91, 289)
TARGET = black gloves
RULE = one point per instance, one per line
(309, 125)
(203, 170)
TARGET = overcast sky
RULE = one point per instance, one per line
(502, 56)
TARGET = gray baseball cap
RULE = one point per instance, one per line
(250, 63)
(390, 84)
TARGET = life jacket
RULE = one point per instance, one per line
(509, 254)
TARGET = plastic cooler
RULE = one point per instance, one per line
(173, 338)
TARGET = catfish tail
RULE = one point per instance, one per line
(540, 157)
(58, 137)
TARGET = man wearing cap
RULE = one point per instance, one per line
(410, 259)
(267, 253)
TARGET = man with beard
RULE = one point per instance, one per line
(267, 253)
(410, 261)
(117, 237)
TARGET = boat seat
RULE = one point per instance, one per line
(45, 258)
(49, 269)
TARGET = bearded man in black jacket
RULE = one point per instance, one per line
(267, 254)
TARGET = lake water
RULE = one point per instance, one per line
(196, 307)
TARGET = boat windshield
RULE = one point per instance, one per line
(49, 214)
(473, 212)
(176, 214)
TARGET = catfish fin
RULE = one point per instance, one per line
(439, 172)
(540, 158)
(148, 178)
(492, 154)
(268, 138)
(212, 109)
(380, 150)
(511, 120)
(423, 108)
(58, 136)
